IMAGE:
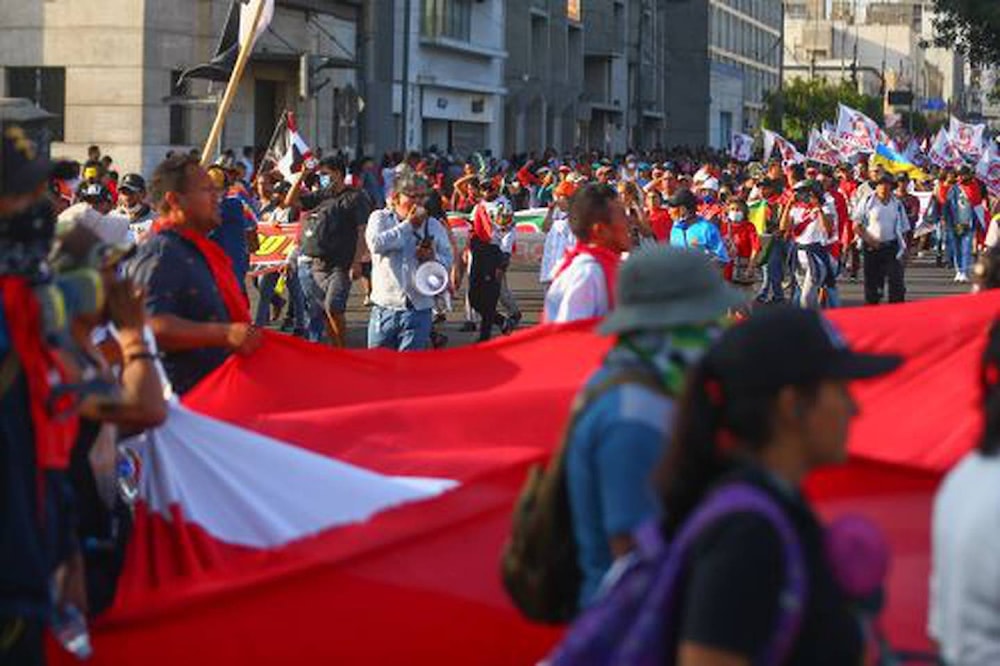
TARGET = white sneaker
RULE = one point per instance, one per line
(962, 277)
(957, 278)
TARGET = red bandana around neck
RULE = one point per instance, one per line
(54, 438)
(221, 268)
(607, 259)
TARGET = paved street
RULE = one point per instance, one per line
(924, 280)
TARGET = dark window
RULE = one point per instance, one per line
(46, 87)
(448, 18)
(179, 114)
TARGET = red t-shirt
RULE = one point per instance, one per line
(661, 222)
(744, 237)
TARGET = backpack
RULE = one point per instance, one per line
(319, 230)
(539, 566)
(636, 620)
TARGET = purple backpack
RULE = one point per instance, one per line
(635, 621)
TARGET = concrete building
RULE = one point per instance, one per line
(111, 75)
(544, 76)
(745, 54)
(447, 85)
(887, 46)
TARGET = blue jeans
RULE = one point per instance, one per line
(959, 249)
(774, 272)
(403, 330)
(266, 285)
(326, 292)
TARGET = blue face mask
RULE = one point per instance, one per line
(708, 198)
(324, 180)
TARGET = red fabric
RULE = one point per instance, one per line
(609, 260)
(847, 188)
(744, 236)
(419, 584)
(941, 192)
(845, 226)
(712, 212)
(661, 222)
(54, 438)
(525, 177)
(482, 225)
(972, 192)
(221, 268)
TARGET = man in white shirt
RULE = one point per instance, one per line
(583, 283)
(881, 223)
(402, 236)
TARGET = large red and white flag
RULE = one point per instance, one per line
(350, 506)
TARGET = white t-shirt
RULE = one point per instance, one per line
(559, 239)
(580, 292)
(807, 225)
(965, 568)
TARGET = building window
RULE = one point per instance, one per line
(46, 87)
(573, 10)
(725, 127)
(179, 115)
(448, 18)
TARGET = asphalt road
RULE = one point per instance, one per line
(923, 280)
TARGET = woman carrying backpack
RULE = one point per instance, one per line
(743, 578)
(767, 405)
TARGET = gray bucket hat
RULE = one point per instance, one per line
(660, 287)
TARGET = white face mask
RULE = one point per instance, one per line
(735, 216)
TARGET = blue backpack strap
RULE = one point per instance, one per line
(743, 497)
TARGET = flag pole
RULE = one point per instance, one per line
(231, 87)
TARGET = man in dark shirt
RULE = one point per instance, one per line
(331, 249)
(196, 325)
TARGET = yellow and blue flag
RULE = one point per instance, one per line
(894, 162)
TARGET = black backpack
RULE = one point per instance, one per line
(539, 565)
(319, 229)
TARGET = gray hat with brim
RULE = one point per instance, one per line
(663, 287)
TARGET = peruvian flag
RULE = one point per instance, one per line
(312, 505)
(288, 149)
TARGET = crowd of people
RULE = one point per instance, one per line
(783, 232)
(118, 291)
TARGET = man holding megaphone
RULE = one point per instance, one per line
(402, 238)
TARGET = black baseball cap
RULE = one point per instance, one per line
(787, 346)
(133, 183)
(22, 169)
(683, 198)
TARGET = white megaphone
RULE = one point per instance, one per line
(431, 278)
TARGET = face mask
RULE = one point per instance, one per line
(324, 180)
(708, 198)
(735, 216)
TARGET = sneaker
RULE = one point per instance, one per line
(468, 327)
(961, 277)
(958, 276)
